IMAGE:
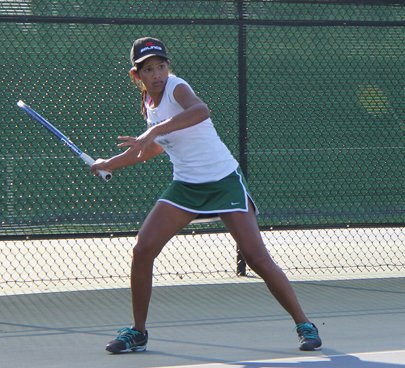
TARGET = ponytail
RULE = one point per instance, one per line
(141, 87)
(143, 100)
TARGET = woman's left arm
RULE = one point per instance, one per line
(195, 111)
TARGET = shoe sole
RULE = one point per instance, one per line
(310, 348)
(133, 350)
(139, 348)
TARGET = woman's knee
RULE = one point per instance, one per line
(145, 250)
(254, 260)
(259, 262)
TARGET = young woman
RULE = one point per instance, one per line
(206, 181)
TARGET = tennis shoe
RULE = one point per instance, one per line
(128, 340)
(308, 336)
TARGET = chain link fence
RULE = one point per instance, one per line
(308, 95)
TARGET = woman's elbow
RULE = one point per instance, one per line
(205, 111)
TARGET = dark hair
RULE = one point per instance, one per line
(141, 87)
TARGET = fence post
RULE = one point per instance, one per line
(241, 264)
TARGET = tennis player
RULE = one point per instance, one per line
(207, 181)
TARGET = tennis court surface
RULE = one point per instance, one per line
(215, 325)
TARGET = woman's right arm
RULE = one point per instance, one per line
(130, 157)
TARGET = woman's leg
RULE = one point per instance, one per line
(244, 229)
(162, 223)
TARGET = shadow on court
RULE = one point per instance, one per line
(330, 361)
(207, 324)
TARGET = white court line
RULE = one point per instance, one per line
(353, 360)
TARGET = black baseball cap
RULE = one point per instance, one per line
(146, 47)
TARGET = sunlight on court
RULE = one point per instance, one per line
(382, 359)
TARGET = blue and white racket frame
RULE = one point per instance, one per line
(105, 175)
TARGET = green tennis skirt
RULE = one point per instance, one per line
(229, 194)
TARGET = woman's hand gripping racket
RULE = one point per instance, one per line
(105, 175)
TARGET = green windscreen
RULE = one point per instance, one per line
(320, 132)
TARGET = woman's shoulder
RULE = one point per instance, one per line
(172, 82)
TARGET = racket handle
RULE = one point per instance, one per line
(105, 175)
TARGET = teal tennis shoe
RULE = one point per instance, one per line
(308, 336)
(128, 340)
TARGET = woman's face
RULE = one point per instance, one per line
(154, 74)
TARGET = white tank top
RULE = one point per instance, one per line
(197, 153)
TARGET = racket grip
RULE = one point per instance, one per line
(105, 175)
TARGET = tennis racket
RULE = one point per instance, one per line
(105, 175)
